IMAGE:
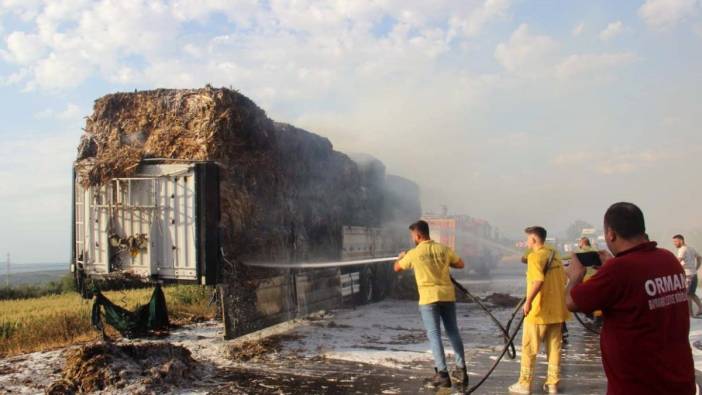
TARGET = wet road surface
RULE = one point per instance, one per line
(581, 373)
(381, 349)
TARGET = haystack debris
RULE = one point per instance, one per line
(259, 348)
(147, 368)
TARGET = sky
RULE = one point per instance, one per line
(519, 112)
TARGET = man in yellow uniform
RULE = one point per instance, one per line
(545, 311)
(431, 263)
(525, 260)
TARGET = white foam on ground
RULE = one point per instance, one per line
(390, 334)
(30, 373)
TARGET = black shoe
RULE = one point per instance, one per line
(440, 379)
(460, 376)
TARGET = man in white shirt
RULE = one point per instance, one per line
(690, 261)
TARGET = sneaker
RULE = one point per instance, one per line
(519, 388)
(440, 379)
(460, 375)
(551, 388)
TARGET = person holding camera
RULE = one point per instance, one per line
(642, 294)
(545, 312)
(584, 246)
(431, 262)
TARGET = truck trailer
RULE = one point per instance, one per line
(200, 186)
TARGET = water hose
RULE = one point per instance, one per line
(502, 354)
(511, 353)
(586, 326)
(509, 347)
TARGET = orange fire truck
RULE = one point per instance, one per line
(472, 238)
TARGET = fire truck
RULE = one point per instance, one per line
(472, 238)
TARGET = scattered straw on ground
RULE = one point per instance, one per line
(141, 368)
(259, 348)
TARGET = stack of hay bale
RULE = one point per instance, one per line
(285, 193)
(278, 182)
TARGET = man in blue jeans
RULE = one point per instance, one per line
(431, 262)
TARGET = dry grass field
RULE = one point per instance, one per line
(38, 324)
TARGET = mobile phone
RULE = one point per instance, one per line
(589, 259)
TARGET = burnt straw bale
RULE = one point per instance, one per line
(285, 194)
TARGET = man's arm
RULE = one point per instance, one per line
(576, 273)
(536, 264)
(454, 260)
(397, 267)
(600, 292)
(535, 289)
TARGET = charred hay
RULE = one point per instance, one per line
(147, 368)
(259, 348)
(285, 192)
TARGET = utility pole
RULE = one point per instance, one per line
(7, 280)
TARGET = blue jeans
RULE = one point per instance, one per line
(432, 315)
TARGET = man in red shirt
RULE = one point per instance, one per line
(642, 294)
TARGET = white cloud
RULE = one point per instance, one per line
(127, 42)
(612, 30)
(59, 71)
(74, 40)
(579, 64)
(531, 55)
(525, 52)
(578, 29)
(663, 14)
(23, 48)
(474, 22)
(15, 78)
(26, 10)
(72, 112)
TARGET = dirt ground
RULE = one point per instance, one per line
(327, 358)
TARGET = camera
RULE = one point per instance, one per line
(589, 259)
